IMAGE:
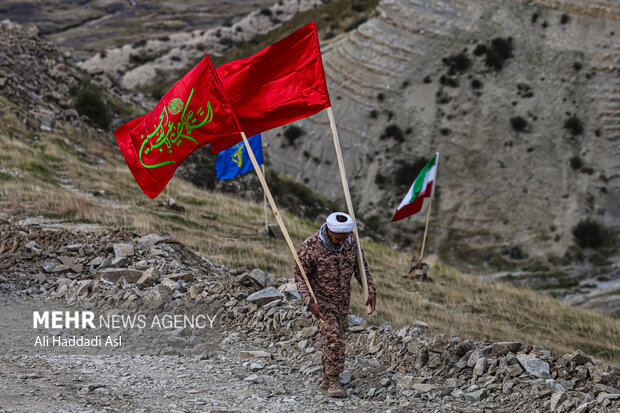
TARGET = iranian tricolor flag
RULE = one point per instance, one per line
(423, 187)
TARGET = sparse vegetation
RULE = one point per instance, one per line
(265, 11)
(524, 90)
(407, 171)
(497, 52)
(564, 19)
(89, 101)
(476, 84)
(455, 304)
(373, 114)
(458, 63)
(576, 162)
(449, 81)
(393, 131)
(590, 233)
(380, 97)
(349, 12)
(574, 125)
(292, 133)
(355, 24)
(519, 124)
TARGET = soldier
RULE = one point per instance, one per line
(329, 258)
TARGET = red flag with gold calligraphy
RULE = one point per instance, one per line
(192, 114)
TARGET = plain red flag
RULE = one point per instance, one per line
(193, 113)
(280, 84)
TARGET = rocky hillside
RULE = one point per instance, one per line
(262, 347)
(140, 64)
(519, 98)
(88, 27)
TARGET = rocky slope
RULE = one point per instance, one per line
(519, 98)
(262, 351)
(88, 27)
(137, 64)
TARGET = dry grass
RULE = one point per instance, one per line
(60, 172)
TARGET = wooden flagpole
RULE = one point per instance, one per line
(347, 195)
(265, 200)
(428, 217)
(261, 178)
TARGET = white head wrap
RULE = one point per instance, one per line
(339, 227)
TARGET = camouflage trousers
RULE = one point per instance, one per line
(332, 329)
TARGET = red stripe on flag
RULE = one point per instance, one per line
(415, 206)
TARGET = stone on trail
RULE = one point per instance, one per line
(556, 401)
(423, 387)
(261, 278)
(505, 347)
(346, 377)
(123, 250)
(534, 366)
(265, 296)
(149, 277)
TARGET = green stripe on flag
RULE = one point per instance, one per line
(419, 181)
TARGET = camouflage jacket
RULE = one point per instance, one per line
(330, 273)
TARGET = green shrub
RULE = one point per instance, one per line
(519, 124)
(590, 233)
(291, 134)
(458, 63)
(90, 102)
(357, 22)
(574, 125)
(499, 51)
(394, 132)
(576, 162)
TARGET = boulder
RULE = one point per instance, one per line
(261, 278)
(502, 348)
(149, 277)
(265, 296)
(123, 250)
(534, 366)
(556, 401)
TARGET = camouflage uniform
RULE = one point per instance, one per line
(330, 274)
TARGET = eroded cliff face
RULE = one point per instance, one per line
(522, 100)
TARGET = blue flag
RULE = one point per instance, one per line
(235, 160)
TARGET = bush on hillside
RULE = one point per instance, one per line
(590, 233)
(89, 102)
